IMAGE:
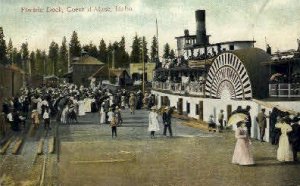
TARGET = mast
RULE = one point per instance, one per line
(157, 40)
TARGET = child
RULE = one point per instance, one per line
(46, 117)
(113, 125)
(35, 119)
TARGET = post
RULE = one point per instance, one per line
(108, 68)
(143, 88)
(157, 40)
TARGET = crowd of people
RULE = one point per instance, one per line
(67, 101)
(284, 132)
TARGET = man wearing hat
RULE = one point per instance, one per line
(221, 119)
(262, 123)
(167, 115)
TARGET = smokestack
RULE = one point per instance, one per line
(201, 37)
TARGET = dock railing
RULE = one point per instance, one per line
(284, 90)
(192, 88)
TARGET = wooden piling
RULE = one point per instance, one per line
(5, 147)
(17, 146)
(40, 147)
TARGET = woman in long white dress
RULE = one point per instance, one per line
(81, 108)
(102, 115)
(64, 114)
(153, 122)
(242, 153)
(284, 151)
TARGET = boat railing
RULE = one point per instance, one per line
(284, 90)
(191, 88)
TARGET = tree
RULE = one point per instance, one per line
(166, 51)
(17, 57)
(53, 56)
(136, 50)
(145, 49)
(154, 50)
(124, 56)
(25, 57)
(39, 62)
(10, 52)
(93, 51)
(109, 54)
(44, 58)
(102, 55)
(75, 47)
(63, 58)
(3, 58)
(32, 62)
(172, 54)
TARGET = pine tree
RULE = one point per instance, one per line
(63, 57)
(115, 53)
(136, 50)
(10, 52)
(154, 49)
(172, 54)
(109, 54)
(124, 56)
(39, 60)
(102, 55)
(53, 56)
(24, 56)
(32, 62)
(75, 47)
(166, 51)
(3, 58)
(16, 57)
(145, 49)
(93, 51)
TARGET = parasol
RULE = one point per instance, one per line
(274, 76)
(236, 118)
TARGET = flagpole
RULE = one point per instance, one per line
(157, 40)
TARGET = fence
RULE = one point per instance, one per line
(192, 88)
(284, 90)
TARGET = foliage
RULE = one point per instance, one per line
(154, 50)
(136, 50)
(145, 49)
(3, 58)
(53, 56)
(63, 58)
(102, 54)
(75, 47)
(172, 54)
(10, 52)
(25, 57)
(166, 50)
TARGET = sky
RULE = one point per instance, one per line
(276, 22)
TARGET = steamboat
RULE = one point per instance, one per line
(209, 77)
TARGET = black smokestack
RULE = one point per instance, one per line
(201, 37)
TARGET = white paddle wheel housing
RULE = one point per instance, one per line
(228, 78)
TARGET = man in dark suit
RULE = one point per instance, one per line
(294, 138)
(262, 122)
(248, 120)
(167, 115)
